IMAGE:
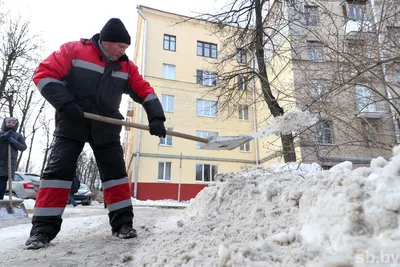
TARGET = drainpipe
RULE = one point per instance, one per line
(253, 62)
(139, 136)
(384, 70)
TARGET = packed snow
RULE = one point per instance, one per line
(282, 215)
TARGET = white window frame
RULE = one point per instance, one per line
(167, 141)
(206, 78)
(324, 132)
(206, 108)
(165, 176)
(245, 147)
(210, 166)
(168, 102)
(204, 134)
(364, 99)
(314, 51)
(242, 112)
(168, 71)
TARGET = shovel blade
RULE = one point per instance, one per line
(226, 142)
(13, 209)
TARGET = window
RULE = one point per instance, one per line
(314, 50)
(207, 78)
(364, 98)
(169, 42)
(206, 49)
(167, 141)
(167, 102)
(324, 133)
(168, 72)
(206, 108)
(318, 90)
(206, 172)
(311, 13)
(355, 12)
(241, 82)
(241, 56)
(17, 178)
(204, 134)
(245, 147)
(243, 112)
(164, 171)
(370, 132)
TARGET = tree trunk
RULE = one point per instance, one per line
(288, 151)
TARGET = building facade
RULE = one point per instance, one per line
(338, 60)
(176, 55)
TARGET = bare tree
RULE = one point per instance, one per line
(87, 170)
(35, 127)
(241, 25)
(47, 133)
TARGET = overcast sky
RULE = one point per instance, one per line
(60, 21)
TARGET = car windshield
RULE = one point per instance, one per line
(84, 187)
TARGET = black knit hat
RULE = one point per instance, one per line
(115, 31)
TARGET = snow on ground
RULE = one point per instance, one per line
(295, 216)
(283, 215)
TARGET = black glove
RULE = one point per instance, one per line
(157, 128)
(11, 140)
(72, 111)
(5, 136)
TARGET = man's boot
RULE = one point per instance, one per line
(37, 241)
(126, 231)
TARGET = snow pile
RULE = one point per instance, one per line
(291, 122)
(291, 216)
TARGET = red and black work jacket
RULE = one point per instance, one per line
(79, 72)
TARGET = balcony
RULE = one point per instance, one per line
(372, 111)
(352, 27)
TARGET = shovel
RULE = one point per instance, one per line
(212, 142)
(11, 205)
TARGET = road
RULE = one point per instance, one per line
(85, 239)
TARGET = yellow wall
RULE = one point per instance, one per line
(186, 91)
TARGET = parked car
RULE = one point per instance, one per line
(84, 195)
(22, 186)
(35, 180)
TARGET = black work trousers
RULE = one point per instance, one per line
(61, 166)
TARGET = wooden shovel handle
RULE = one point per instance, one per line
(9, 172)
(142, 127)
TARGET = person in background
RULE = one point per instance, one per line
(76, 183)
(90, 75)
(9, 135)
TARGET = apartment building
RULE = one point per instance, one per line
(339, 60)
(176, 54)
